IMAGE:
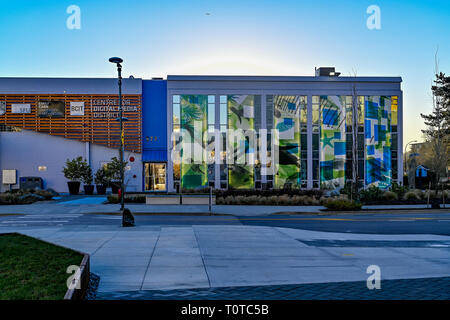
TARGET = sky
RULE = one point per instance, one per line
(212, 37)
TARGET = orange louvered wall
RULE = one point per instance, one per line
(87, 128)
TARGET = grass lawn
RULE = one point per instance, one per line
(33, 269)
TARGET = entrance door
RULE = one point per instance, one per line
(155, 176)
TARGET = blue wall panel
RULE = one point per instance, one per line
(154, 120)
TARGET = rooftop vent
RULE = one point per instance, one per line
(326, 72)
(156, 78)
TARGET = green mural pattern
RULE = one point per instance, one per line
(378, 141)
(240, 116)
(193, 154)
(332, 142)
(287, 123)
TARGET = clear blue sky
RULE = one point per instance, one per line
(157, 38)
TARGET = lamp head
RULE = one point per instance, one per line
(115, 60)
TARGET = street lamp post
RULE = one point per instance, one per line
(118, 62)
(404, 157)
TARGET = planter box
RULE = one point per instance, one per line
(175, 199)
(162, 199)
(198, 199)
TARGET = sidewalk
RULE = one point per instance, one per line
(94, 205)
(207, 256)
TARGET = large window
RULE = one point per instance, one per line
(289, 116)
(176, 144)
(315, 140)
(155, 176)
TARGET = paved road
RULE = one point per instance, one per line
(382, 223)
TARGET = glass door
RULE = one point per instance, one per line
(155, 176)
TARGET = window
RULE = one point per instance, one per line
(315, 139)
(211, 113)
(394, 137)
(176, 119)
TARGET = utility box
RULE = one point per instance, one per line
(31, 183)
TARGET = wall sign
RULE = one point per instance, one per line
(9, 176)
(51, 108)
(20, 108)
(109, 108)
(77, 108)
(2, 107)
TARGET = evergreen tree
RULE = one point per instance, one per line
(437, 132)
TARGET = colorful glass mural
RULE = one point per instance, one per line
(193, 153)
(240, 117)
(287, 121)
(378, 141)
(332, 142)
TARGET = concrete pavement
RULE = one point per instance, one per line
(209, 256)
(95, 205)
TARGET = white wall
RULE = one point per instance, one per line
(27, 150)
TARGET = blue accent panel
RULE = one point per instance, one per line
(339, 148)
(154, 120)
(368, 129)
(291, 106)
(370, 149)
(330, 117)
(288, 121)
(154, 156)
(371, 110)
(337, 135)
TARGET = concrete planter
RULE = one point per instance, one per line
(198, 199)
(162, 199)
(175, 199)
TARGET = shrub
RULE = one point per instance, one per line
(113, 168)
(398, 189)
(87, 175)
(113, 198)
(44, 193)
(284, 200)
(74, 169)
(101, 177)
(390, 195)
(342, 204)
(373, 193)
(24, 197)
(411, 195)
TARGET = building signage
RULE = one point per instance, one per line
(21, 108)
(2, 107)
(51, 108)
(109, 108)
(9, 176)
(77, 108)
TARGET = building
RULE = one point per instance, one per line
(198, 131)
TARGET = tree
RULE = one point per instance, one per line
(437, 133)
